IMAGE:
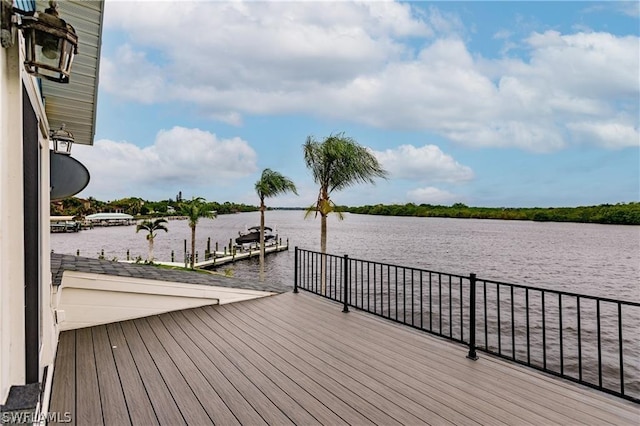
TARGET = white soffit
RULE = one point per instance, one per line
(75, 103)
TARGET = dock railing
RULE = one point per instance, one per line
(586, 339)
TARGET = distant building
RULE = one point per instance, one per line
(109, 219)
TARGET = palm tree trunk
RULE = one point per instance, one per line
(193, 245)
(262, 208)
(150, 257)
(323, 256)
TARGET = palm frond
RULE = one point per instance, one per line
(340, 162)
(195, 209)
(313, 208)
(273, 183)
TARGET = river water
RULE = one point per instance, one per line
(599, 260)
(590, 259)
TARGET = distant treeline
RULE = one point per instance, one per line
(617, 214)
(136, 206)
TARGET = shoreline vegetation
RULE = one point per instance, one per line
(611, 214)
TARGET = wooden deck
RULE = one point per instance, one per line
(297, 359)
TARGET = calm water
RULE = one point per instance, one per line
(599, 260)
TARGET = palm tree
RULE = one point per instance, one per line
(271, 183)
(336, 163)
(194, 210)
(152, 227)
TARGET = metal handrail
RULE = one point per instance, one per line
(549, 330)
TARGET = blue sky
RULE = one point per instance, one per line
(512, 104)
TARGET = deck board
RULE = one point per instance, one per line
(297, 359)
(111, 393)
(244, 412)
(360, 392)
(254, 353)
(420, 371)
(261, 374)
(138, 403)
(189, 404)
(164, 406)
(419, 403)
(215, 407)
(64, 379)
(289, 383)
(191, 325)
(499, 378)
(88, 404)
(389, 375)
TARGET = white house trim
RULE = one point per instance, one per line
(87, 299)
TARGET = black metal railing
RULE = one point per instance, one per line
(586, 339)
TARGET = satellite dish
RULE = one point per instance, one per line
(68, 176)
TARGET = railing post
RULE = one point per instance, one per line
(472, 318)
(295, 270)
(345, 285)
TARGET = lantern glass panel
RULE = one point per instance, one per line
(49, 52)
(62, 147)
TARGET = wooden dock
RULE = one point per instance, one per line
(297, 359)
(220, 258)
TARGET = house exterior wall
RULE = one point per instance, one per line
(12, 258)
(11, 224)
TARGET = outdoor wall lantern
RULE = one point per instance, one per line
(50, 43)
(62, 140)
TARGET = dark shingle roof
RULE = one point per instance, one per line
(65, 262)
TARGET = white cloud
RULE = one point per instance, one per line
(132, 76)
(179, 157)
(426, 163)
(502, 34)
(431, 195)
(629, 8)
(353, 61)
(590, 65)
(611, 134)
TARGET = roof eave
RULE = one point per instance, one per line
(75, 103)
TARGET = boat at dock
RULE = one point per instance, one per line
(64, 224)
(252, 235)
